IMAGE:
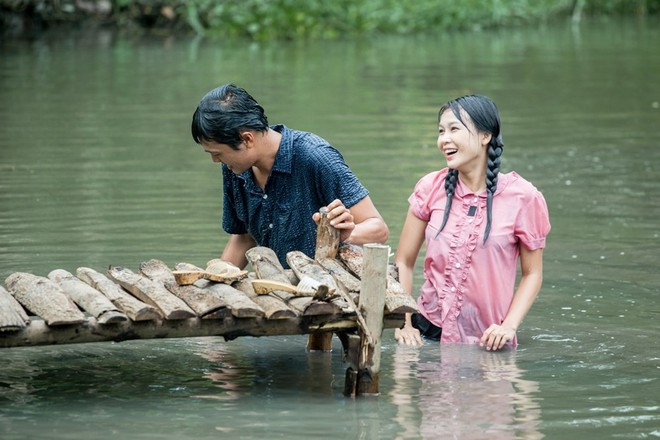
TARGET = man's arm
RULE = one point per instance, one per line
(236, 248)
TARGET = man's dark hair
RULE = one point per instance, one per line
(224, 113)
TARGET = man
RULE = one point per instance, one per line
(276, 179)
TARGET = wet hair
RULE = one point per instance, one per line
(486, 118)
(224, 113)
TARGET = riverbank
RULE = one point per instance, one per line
(298, 19)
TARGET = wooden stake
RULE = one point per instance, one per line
(371, 306)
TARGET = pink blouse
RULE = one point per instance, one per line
(468, 285)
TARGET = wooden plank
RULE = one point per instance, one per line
(44, 298)
(240, 304)
(200, 301)
(12, 315)
(87, 298)
(135, 309)
(38, 333)
(150, 292)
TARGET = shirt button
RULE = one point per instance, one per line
(475, 200)
(458, 265)
(470, 220)
(453, 288)
(265, 196)
(270, 226)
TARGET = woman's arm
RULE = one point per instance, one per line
(531, 265)
(410, 242)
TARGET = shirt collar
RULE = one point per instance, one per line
(463, 191)
(284, 156)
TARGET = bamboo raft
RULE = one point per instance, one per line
(360, 297)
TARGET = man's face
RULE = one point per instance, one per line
(236, 160)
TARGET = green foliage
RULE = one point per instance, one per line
(297, 19)
(327, 19)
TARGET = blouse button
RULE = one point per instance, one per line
(453, 288)
(458, 265)
(475, 200)
(265, 196)
(270, 226)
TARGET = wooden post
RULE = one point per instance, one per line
(365, 380)
(327, 246)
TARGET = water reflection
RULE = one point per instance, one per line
(463, 392)
(279, 365)
(227, 373)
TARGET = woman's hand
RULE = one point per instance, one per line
(408, 335)
(496, 336)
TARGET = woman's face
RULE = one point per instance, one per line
(463, 146)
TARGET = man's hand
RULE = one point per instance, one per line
(340, 217)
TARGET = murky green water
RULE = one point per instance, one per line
(97, 167)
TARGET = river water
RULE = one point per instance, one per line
(97, 168)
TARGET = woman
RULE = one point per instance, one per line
(477, 223)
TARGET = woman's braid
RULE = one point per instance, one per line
(494, 153)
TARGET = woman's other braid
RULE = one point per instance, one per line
(450, 187)
(494, 158)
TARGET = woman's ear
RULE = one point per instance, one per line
(485, 138)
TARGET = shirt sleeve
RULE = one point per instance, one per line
(333, 179)
(533, 223)
(425, 194)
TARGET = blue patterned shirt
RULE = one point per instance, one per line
(308, 173)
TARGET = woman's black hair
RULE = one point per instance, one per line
(486, 118)
(224, 113)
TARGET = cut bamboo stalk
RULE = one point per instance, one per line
(397, 300)
(241, 306)
(266, 266)
(327, 237)
(135, 309)
(12, 315)
(150, 292)
(202, 302)
(327, 246)
(44, 298)
(87, 298)
(274, 307)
